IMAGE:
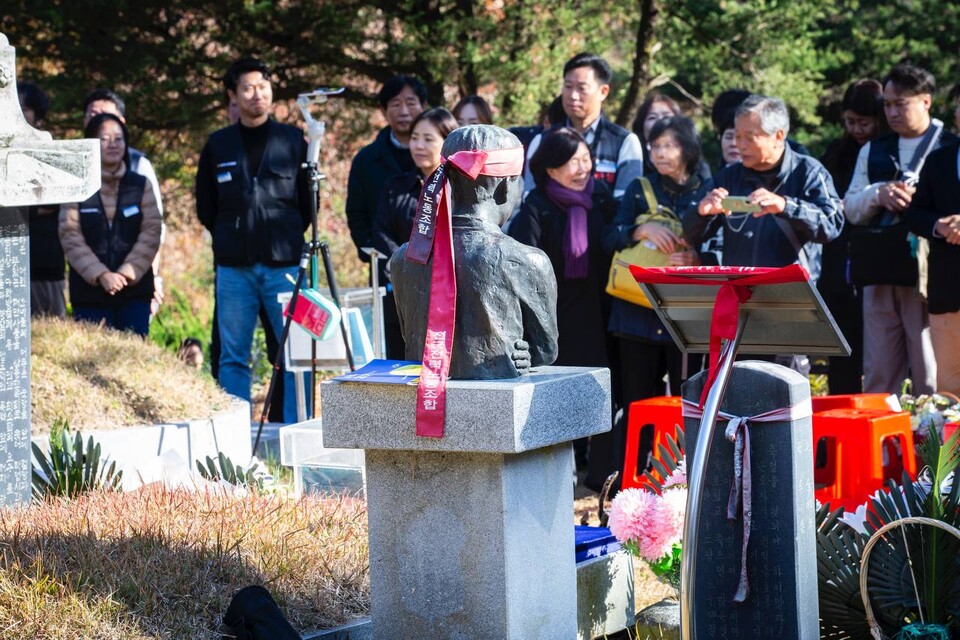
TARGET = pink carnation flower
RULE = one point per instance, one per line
(631, 514)
(668, 515)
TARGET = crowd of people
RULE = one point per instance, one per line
(594, 188)
(874, 221)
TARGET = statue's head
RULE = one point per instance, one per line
(497, 197)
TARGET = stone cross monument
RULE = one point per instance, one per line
(34, 170)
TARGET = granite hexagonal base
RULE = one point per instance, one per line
(548, 406)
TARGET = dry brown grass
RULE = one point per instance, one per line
(164, 564)
(98, 378)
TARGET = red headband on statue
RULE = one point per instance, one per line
(432, 220)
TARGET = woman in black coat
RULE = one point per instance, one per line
(393, 220)
(564, 216)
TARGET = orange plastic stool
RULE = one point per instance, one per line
(855, 443)
(851, 401)
(663, 414)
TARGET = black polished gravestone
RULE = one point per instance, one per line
(781, 559)
(15, 358)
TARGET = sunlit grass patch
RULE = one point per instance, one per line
(160, 563)
(97, 378)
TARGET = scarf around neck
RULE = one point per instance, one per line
(575, 244)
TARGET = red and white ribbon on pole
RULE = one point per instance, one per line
(732, 293)
(433, 233)
(741, 492)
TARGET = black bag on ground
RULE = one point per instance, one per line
(253, 614)
(882, 255)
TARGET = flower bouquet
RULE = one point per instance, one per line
(649, 524)
(929, 413)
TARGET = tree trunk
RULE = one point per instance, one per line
(467, 78)
(640, 78)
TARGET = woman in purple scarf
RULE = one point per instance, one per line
(564, 216)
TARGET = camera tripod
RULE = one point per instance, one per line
(309, 263)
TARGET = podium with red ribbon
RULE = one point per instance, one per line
(724, 311)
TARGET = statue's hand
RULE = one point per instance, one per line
(521, 356)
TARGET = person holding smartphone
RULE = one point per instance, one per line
(773, 208)
(896, 325)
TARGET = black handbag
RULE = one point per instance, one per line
(253, 614)
(882, 255)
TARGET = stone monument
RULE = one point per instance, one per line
(506, 290)
(469, 523)
(34, 170)
(781, 557)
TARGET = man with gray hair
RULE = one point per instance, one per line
(774, 207)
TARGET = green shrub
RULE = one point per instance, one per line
(71, 470)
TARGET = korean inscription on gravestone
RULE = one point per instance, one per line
(780, 558)
(15, 361)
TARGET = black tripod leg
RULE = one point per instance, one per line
(277, 366)
(335, 293)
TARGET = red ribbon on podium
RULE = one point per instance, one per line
(733, 292)
(433, 222)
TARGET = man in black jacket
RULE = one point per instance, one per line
(617, 153)
(254, 198)
(401, 99)
(933, 215)
(896, 328)
(798, 207)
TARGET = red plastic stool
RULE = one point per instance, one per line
(948, 429)
(851, 401)
(663, 414)
(855, 444)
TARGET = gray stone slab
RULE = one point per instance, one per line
(14, 358)
(782, 556)
(35, 169)
(474, 546)
(605, 598)
(548, 406)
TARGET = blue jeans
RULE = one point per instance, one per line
(132, 315)
(240, 291)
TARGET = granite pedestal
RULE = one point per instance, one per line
(471, 535)
(782, 555)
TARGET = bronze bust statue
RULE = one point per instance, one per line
(506, 304)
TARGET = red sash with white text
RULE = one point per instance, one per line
(432, 232)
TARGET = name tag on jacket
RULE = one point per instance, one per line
(132, 210)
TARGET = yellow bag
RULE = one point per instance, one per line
(621, 283)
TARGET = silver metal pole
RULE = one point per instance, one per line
(377, 304)
(300, 384)
(696, 470)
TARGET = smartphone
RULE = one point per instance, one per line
(739, 204)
